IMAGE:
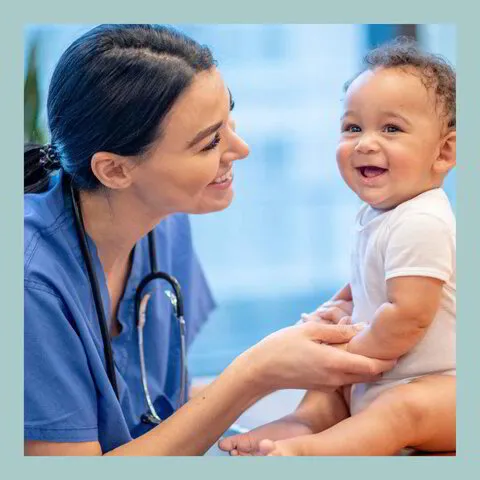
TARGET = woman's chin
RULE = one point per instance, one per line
(214, 205)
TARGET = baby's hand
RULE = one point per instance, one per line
(314, 317)
(346, 346)
(335, 312)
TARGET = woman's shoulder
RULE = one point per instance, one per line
(47, 230)
(42, 212)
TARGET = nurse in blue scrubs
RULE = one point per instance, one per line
(140, 125)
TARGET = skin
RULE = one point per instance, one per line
(391, 121)
(172, 177)
(402, 416)
(176, 176)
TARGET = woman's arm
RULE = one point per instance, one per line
(400, 324)
(293, 357)
(190, 431)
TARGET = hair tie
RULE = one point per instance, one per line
(49, 158)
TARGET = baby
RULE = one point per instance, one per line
(397, 144)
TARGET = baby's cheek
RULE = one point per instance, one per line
(344, 164)
(343, 152)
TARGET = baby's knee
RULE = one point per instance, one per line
(404, 405)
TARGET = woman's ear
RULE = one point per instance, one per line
(447, 156)
(112, 170)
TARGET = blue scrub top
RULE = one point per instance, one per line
(68, 397)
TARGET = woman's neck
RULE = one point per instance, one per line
(115, 223)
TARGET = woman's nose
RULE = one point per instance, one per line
(237, 148)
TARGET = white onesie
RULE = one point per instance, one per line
(417, 238)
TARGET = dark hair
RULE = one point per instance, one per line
(110, 91)
(434, 71)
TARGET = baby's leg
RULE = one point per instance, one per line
(419, 414)
(316, 412)
(436, 413)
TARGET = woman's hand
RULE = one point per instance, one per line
(298, 357)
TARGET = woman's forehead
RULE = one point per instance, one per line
(201, 105)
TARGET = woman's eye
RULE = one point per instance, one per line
(232, 103)
(392, 129)
(213, 144)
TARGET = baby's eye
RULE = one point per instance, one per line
(351, 128)
(392, 128)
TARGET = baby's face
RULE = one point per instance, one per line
(390, 137)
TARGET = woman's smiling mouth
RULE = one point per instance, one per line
(223, 181)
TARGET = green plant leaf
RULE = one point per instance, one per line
(33, 131)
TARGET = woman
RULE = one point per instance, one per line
(141, 134)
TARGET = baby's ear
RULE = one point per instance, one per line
(447, 156)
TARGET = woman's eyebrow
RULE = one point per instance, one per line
(204, 133)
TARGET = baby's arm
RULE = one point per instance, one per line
(419, 256)
(401, 322)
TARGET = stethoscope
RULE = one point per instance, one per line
(141, 302)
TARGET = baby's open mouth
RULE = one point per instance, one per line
(370, 171)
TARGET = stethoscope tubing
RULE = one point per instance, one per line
(140, 312)
(107, 344)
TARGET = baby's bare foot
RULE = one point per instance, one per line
(280, 448)
(248, 443)
(267, 448)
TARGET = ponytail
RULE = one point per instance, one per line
(38, 161)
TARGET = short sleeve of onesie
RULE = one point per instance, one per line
(420, 245)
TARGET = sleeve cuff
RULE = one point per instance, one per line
(61, 435)
(417, 272)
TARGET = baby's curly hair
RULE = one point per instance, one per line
(434, 71)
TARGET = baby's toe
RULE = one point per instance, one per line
(226, 444)
(266, 447)
(242, 443)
